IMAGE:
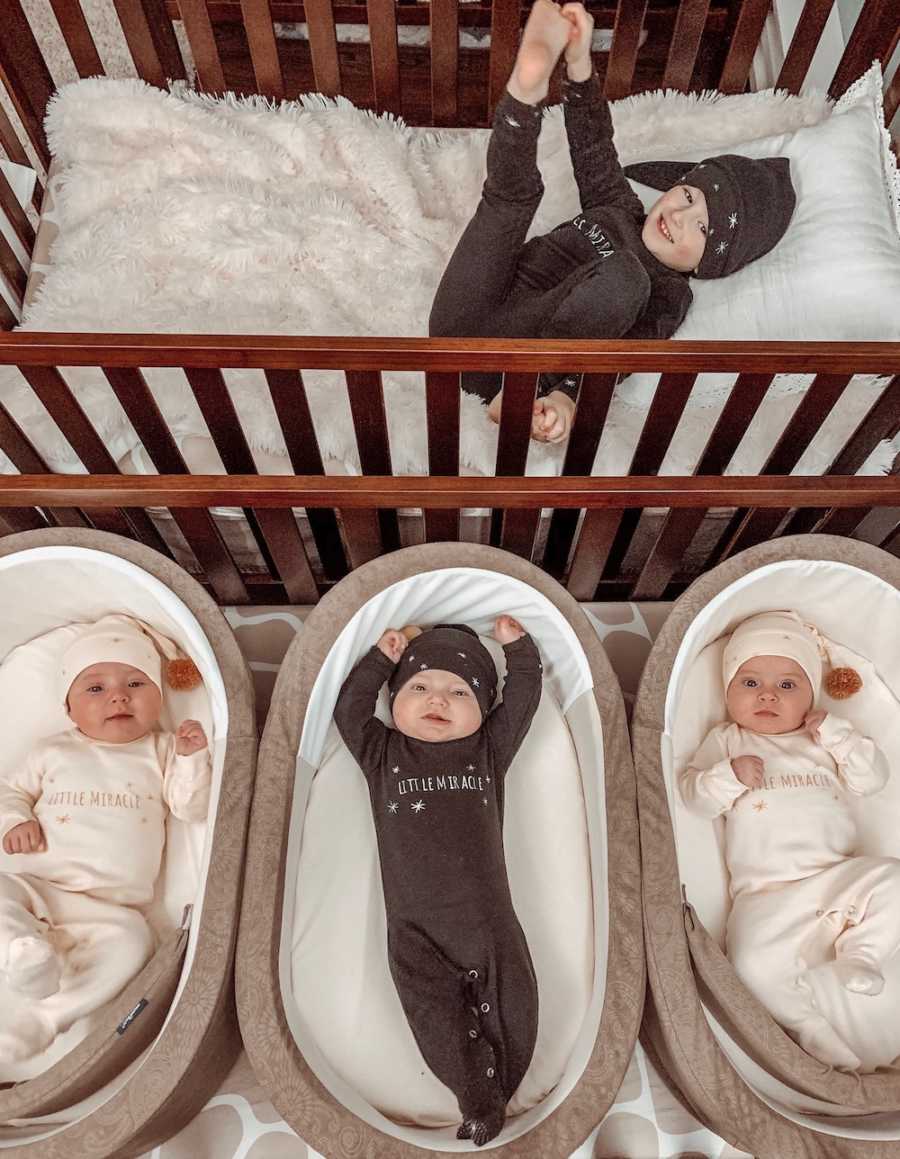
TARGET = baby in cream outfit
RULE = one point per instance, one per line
(85, 819)
(780, 772)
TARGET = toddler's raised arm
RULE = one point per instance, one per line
(354, 713)
(708, 785)
(862, 765)
(595, 162)
(507, 725)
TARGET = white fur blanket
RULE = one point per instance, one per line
(183, 213)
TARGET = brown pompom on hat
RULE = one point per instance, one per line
(121, 639)
(452, 648)
(750, 203)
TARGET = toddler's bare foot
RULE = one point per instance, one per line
(544, 38)
(32, 967)
(859, 976)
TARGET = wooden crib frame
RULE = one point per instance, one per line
(584, 542)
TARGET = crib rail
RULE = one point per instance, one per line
(641, 536)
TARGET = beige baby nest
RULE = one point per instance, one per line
(320, 1018)
(734, 1066)
(133, 1074)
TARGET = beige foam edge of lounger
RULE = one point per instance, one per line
(187, 1058)
(675, 1023)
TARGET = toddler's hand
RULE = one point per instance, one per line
(393, 644)
(812, 722)
(750, 771)
(578, 50)
(25, 838)
(507, 630)
(190, 738)
(551, 419)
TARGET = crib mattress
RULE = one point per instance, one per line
(113, 1090)
(742, 1074)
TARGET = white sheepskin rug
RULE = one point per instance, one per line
(181, 213)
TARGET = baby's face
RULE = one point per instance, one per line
(435, 705)
(769, 694)
(114, 702)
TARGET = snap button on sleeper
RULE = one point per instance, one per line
(851, 909)
(490, 1072)
(485, 1008)
(473, 1034)
(473, 973)
(820, 913)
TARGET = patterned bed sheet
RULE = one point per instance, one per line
(646, 1121)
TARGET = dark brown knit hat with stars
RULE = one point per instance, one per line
(750, 203)
(452, 648)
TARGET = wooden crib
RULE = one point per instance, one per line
(637, 536)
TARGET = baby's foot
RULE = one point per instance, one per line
(544, 38)
(23, 1034)
(32, 967)
(859, 976)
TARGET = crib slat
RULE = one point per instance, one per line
(623, 54)
(892, 99)
(366, 396)
(881, 422)
(385, 55)
(444, 24)
(874, 36)
(26, 76)
(292, 411)
(362, 534)
(505, 24)
(18, 219)
(220, 416)
(748, 527)
(686, 37)
(442, 413)
(751, 17)
(260, 32)
(8, 320)
(803, 45)
(518, 529)
(594, 397)
(892, 542)
(323, 46)
(680, 526)
(280, 529)
(77, 35)
(151, 40)
(598, 533)
(213, 556)
(15, 519)
(12, 269)
(199, 31)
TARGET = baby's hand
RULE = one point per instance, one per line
(507, 630)
(750, 771)
(578, 50)
(392, 644)
(551, 418)
(812, 722)
(190, 738)
(25, 838)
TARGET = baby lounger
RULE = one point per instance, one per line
(740, 1073)
(319, 1013)
(124, 1079)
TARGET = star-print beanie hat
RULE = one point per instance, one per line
(786, 634)
(750, 203)
(452, 648)
(123, 640)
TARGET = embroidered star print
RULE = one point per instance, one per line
(475, 683)
(759, 806)
(143, 820)
(470, 768)
(393, 807)
(64, 819)
(418, 806)
(484, 800)
(732, 221)
(721, 247)
(395, 769)
(461, 654)
(487, 780)
(422, 667)
(716, 188)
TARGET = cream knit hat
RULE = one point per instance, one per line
(786, 634)
(121, 639)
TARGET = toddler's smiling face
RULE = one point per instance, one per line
(435, 705)
(769, 694)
